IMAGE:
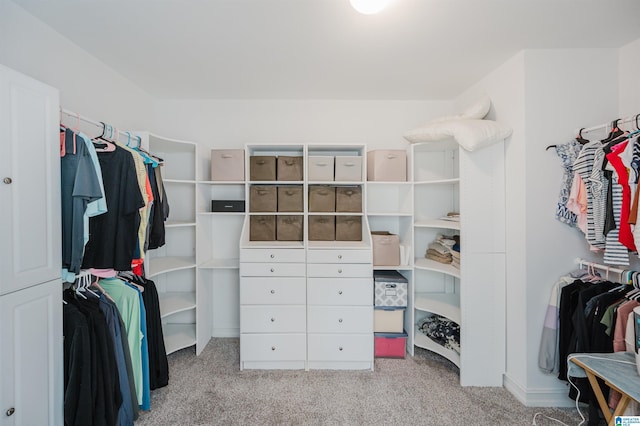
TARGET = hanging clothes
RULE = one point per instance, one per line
(568, 153)
(100, 361)
(113, 235)
(128, 303)
(158, 363)
(80, 186)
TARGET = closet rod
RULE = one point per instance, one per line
(629, 119)
(77, 116)
(583, 262)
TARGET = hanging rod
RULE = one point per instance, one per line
(607, 268)
(633, 118)
(124, 134)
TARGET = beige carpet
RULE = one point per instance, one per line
(420, 390)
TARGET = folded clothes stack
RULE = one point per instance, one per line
(441, 250)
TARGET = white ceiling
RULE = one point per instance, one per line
(416, 49)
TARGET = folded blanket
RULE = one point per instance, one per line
(434, 255)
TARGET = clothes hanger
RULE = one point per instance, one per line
(102, 142)
(614, 133)
(580, 139)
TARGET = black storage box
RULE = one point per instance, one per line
(227, 205)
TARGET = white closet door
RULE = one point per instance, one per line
(29, 182)
(31, 366)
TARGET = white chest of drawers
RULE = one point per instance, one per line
(273, 309)
(339, 309)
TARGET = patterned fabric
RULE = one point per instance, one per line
(615, 252)
(442, 331)
(634, 173)
(599, 189)
(584, 167)
(568, 153)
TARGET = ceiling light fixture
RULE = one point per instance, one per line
(369, 7)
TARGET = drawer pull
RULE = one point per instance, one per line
(273, 348)
(272, 256)
(273, 320)
(339, 291)
(340, 348)
(273, 292)
(273, 270)
(10, 412)
(340, 320)
(339, 256)
(339, 271)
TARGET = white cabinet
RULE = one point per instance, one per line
(449, 179)
(308, 303)
(29, 182)
(272, 309)
(184, 300)
(31, 365)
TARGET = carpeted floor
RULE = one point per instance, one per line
(420, 390)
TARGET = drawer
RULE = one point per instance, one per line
(343, 347)
(347, 270)
(272, 319)
(272, 269)
(272, 255)
(340, 319)
(273, 347)
(340, 291)
(339, 256)
(273, 291)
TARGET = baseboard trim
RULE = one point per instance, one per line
(549, 397)
(225, 332)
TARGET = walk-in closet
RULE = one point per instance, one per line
(319, 212)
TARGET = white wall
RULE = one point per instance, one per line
(232, 123)
(545, 95)
(87, 86)
(629, 60)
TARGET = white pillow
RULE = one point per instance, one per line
(478, 110)
(470, 134)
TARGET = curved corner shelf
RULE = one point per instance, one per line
(437, 223)
(424, 342)
(178, 224)
(178, 336)
(162, 265)
(444, 304)
(174, 302)
(432, 265)
(179, 181)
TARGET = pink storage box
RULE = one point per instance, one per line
(390, 345)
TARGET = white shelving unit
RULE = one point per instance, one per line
(218, 253)
(184, 305)
(449, 179)
(323, 289)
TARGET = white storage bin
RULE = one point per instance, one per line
(348, 168)
(388, 320)
(227, 165)
(320, 168)
(388, 165)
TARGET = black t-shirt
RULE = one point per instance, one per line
(113, 236)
